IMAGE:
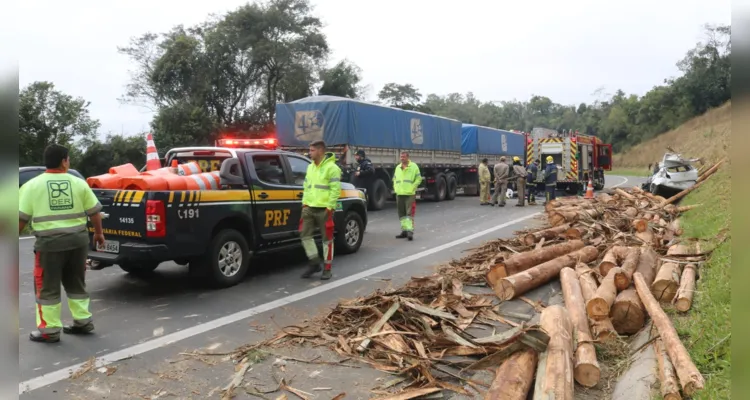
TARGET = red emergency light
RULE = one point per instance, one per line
(268, 143)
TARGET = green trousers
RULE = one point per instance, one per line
(52, 269)
(407, 207)
(322, 219)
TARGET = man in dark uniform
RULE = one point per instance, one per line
(550, 179)
(365, 172)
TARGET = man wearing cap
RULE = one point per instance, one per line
(484, 183)
(365, 171)
(519, 174)
(550, 179)
(502, 172)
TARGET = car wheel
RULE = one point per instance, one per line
(135, 268)
(349, 239)
(227, 260)
(441, 187)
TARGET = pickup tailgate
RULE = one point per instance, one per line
(123, 217)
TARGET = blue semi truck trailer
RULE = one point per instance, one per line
(438, 145)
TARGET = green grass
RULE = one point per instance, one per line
(628, 172)
(705, 329)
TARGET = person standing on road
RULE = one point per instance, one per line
(531, 178)
(519, 172)
(550, 179)
(502, 172)
(484, 183)
(57, 204)
(365, 171)
(322, 192)
(406, 180)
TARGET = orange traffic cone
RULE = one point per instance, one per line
(152, 157)
(589, 191)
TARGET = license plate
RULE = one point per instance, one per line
(418, 196)
(110, 246)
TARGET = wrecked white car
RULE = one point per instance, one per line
(673, 175)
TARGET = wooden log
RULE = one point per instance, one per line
(710, 171)
(587, 280)
(691, 379)
(602, 330)
(604, 198)
(666, 282)
(598, 307)
(609, 261)
(514, 376)
(531, 238)
(627, 313)
(681, 194)
(518, 284)
(558, 217)
(676, 227)
(647, 264)
(574, 233)
(625, 194)
(640, 224)
(681, 249)
(586, 368)
(629, 265)
(647, 236)
(523, 261)
(554, 378)
(631, 212)
(682, 209)
(684, 297)
(667, 379)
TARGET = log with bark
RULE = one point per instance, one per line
(667, 282)
(681, 249)
(647, 236)
(627, 313)
(705, 175)
(640, 224)
(683, 209)
(691, 379)
(554, 377)
(523, 261)
(684, 297)
(681, 194)
(514, 377)
(647, 264)
(531, 239)
(588, 281)
(602, 330)
(675, 226)
(586, 369)
(667, 379)
(629, 265)
(559, 217)
(517, 284)
(598, 307)
(611, 259)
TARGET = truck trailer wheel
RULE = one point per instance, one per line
(440, 189)
(226, 261)
(349, 239)
(452, 186)
(376, 199)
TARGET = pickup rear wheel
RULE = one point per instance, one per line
(349, 239)
(227, 260)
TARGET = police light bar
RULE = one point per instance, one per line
(248, 143)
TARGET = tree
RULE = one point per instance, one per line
(115, 150)
(48, 116)
(399, 95)
(342, 80)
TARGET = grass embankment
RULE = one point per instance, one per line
(704, 136)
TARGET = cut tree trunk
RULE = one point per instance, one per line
(668, 381)
(675, 227)
(681, 194)
(611, 259)
(514, 377)
(647, 264)
(602, 330)
(690, 378)
(625, 194)
(586, 370)
(554, 378)
(523, 261)
(631, 212)
(558, 217)
(604, 198)
(710, 171)
(574, 233)
(640, 225)
(598, 307)
(587, 280)
(684, 297)
(683, 209)
(515, 285)
(531, 238)
(629, 265)
(647, 236)
(666, 282)
(681, 249)
(627, 314)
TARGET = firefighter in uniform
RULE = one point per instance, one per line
(550, 179)
(502, 172)
(321, 193)
(406, 180)
(519, 172)
(57, 204)
(484, 183)
(531, 176)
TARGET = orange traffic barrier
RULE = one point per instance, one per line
(205, 180)
(113, 179)
(190, 168)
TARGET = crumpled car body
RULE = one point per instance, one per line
(674, 175)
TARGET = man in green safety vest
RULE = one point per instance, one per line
(322, 192)
(57, 204)
(406, 180)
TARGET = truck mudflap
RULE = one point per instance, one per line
(123, 222)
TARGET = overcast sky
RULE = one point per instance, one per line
(500, 50)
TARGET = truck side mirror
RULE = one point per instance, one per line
(230, 173)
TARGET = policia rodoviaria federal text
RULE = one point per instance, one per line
(57, 204)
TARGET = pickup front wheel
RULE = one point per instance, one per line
(349, 239)
(227, 259)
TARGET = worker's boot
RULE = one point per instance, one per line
(79, 329)
(326, 275)
(410, 235)
(402, 235)
(313, 267)
(40, 337)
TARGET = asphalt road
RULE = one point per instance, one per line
(136, 316)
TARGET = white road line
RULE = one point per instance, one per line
(621, 183)
(25, 237)
(62, 374)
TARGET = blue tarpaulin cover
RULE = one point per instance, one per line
(483, 140)
(339, 120)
